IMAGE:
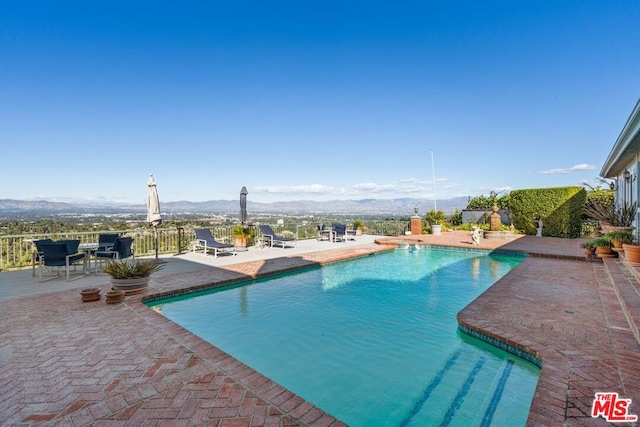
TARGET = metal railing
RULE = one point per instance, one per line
(16, 250)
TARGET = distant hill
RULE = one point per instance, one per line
(404, 206)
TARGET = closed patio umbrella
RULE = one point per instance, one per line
(153, 209)
(243, 205)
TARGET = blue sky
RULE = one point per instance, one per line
(310, 100)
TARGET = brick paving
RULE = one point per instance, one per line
(68, 363)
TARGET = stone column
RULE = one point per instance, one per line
(416, 223)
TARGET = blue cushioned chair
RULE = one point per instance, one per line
(122, 249)
(339, 232)
(106, 241)
(35, 256)
(57, 255)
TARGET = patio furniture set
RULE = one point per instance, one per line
(55, 257)
(268, 237)
(337, 233)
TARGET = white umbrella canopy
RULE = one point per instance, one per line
(153, 204)
(153, 208)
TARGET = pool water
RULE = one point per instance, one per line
(372, 341)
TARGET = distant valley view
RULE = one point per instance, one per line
(403, 207)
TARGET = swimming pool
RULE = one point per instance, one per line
(372, 341)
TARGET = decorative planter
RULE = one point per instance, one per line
(241, 241)
(90, 294)
(606, 228)
(114, 296)
(605, 252)
(131, 286)
(436, 229)
(617, 244)
(632, 253)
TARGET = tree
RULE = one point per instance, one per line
(482, 202)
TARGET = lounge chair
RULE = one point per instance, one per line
(339, 232)
(269, 236)
(59, 255)
(206, 241)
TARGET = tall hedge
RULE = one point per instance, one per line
(559, 208)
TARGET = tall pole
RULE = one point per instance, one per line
(433, 171)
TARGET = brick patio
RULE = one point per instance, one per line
(65, 362)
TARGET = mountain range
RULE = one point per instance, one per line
(401, 206)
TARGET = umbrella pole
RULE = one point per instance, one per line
(155, 229)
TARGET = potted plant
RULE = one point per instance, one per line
(114, 296)
(631, 253)
(243, 235)
(589, 248)
(619, 237)
(612, 216)
(359, 226)
(131, 276)
(435, 220)
(90, 294)
(603, 247)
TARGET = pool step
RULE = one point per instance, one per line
(467, 391)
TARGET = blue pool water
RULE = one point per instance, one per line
(372, 341)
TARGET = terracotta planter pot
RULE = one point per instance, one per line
(90, 294)
(631, 253)
(114, 297)
(241, 241)
(606, 228)
(617, 244)
(605, 252)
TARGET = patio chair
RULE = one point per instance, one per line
(339, 232)
(106, 241)
(323, 233)
(206, 241)
(72, 245)
(37, 254)
(352, 232)
(122, 249)
(270, 236)
(59, 255)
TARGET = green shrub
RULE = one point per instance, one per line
(560, 209)
(483, 202)
(435, 217)
(456, 218)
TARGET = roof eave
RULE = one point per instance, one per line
(626, 147)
